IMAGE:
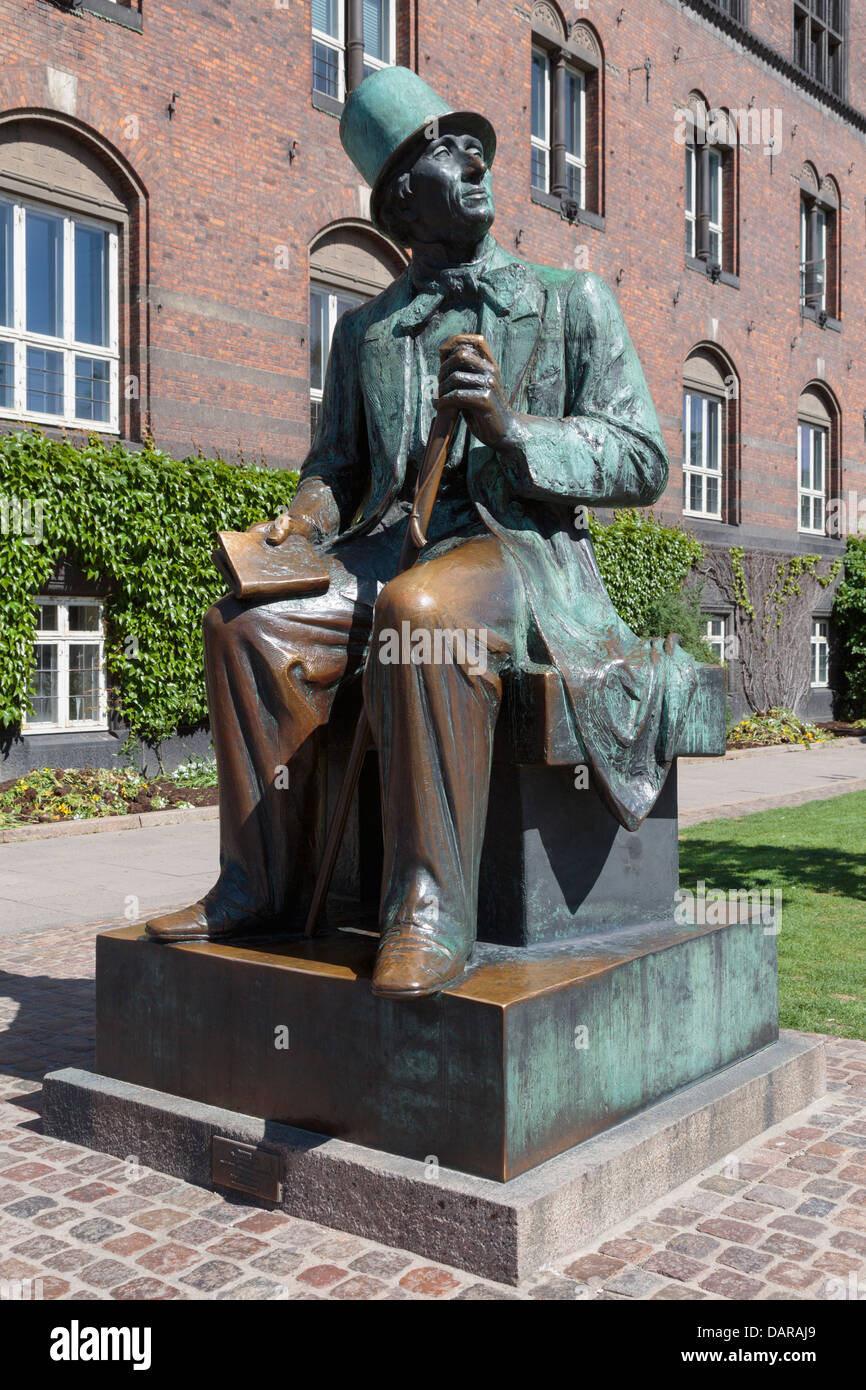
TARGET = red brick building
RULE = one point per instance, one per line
(182, 226)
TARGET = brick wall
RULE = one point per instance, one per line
(218, 318)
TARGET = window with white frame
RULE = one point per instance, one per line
(812, 451)
(326, 306)
(68, 687)
(332, 33)
(820, 647)
(704, 166)
(702, 455)
(547, 90)
(58, 317)
(716, 635)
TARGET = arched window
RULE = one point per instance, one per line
(350, 262)
(64, 238)
(820, 228)
(710, 136)
(818, 454)
(566, 104)
(710, 436)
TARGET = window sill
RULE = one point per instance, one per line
(703, 516)
(125, 16)
(584, 216)
(814, 316)
(322, 102)
(725, 277)
(55, 422)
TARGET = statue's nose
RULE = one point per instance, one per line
(476, 166)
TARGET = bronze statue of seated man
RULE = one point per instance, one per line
(561, 422)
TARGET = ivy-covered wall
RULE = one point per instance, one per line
(147, 524)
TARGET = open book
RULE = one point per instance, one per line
(255, 569)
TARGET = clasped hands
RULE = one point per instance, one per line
(469, 381)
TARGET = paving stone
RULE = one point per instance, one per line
(485, 1292)
(254, 1290)
(634, 1283)
(279, 1262)
(740, 1232)
(789, 1246)
(385, 1264)
(558, 1290)
(674, 1266)
(168, 1259)
(678, 1291)
(320, 1276)
(592, 1267)
(210, 1276)
(729, 1284)
(359, 1286)
(105, 1273)
(744, 1258)
(128, 1245)
(97, 1229)
(90, 1192)
(765, 1194)
(815, 1206)
(146, 1289)
(236, 1247)
(625, 1249)
(429, 1281)
(794, 1276)
(699, 1247)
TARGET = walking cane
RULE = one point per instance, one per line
(426, 488)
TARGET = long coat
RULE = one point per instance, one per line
(588, 436)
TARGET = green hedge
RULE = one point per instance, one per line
(849, 614)
(147, 522)
(645, 566)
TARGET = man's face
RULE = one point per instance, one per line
(451, 197)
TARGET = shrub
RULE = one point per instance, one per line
(849, 614)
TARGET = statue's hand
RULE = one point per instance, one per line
(285, 525)
(470, 382)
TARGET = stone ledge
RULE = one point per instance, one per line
(500, 1231)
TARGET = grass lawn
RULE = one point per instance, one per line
(816, 854)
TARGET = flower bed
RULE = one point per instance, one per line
(775, 726)
(63, 794)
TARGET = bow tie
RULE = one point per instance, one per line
(467, 283)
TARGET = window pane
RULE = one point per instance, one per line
(84, 617)
(818, 438)
(44, 273)
(805, 512)
(45, 381)
(573, 130)
(715, 187)
(7, 376)
(817, 514)
(326, 69)
(715, 247)
(326, 17)
(318, 335)
(83, 681)
(539, 94)
(47, 616)
(696, 431)
(91, 285)
(805, 433)
(574, 182)
(714, 417)
(43, 685)
(92, 389)
(712, 495)
(7, 281)
(376, 35)
(539, 168)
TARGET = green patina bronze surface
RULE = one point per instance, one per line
(535, 1051)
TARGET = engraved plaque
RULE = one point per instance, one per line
(246, 1168)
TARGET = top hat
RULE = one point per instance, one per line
(391, 112)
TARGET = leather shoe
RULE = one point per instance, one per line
(414, 960)
(202, 922)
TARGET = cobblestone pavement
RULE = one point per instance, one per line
(782, 1218)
